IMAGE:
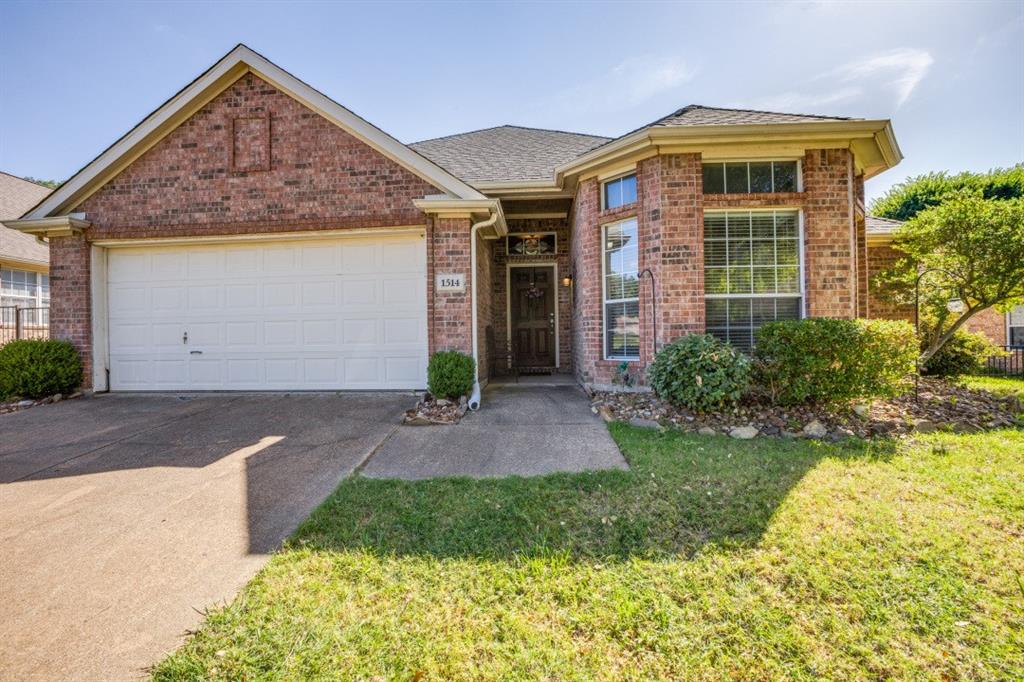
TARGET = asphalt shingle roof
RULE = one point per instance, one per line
(506, 152)
(875, 225)
(510, 153)
(16, 197)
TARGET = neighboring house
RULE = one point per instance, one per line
(253, 234)
(24, 260)
(1003, 329)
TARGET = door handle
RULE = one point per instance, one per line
(195, 352)
(184, 338)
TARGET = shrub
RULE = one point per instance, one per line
(965, 353)
(450, 374)
(39, 368)
(822, 360)
(699, 372)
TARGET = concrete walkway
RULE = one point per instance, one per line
(123, 517)
(521, 430)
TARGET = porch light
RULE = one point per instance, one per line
(955, 305)
(567, 281)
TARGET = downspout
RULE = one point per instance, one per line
(474, 397)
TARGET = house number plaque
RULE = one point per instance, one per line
(451, 282)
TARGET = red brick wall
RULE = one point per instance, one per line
(991, 323)
(560, 227)
(829, 233)
(70, 299)
(320, 177)
(585, 252)
(881, 258)
(484, 276)
(450, 314)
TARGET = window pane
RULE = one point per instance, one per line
(786, 225)
(785, 176)
(739, 252)
(714, 254)
(762, 225)
(738, 225)
(622, 329)
(787, 252)
(628, 184)
(736, 178)
(714, 178)
(764, 252)
(739, 312)
(715, 281)
(714, 226)
(739, 280)
(789, 280)
(761, 177)
(611, 194)
(1016, 336)
(764, 280)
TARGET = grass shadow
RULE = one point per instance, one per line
(682, 492)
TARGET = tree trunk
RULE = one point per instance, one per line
(941, 340)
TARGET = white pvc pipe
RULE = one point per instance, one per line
(474, 397)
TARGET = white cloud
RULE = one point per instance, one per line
(628, 83)
(901, 70)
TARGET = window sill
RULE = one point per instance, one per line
(624, 211)
(738, 199)
(612, 362)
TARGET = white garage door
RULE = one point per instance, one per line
(344, 313)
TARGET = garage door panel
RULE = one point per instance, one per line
(330, 314)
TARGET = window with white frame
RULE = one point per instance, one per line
(747, 177)
(621, 262)
(24, 289)
(1015, 327)
(619, 192)
(752, 272)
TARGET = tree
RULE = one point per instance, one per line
(975, 246)
(910, 197)
(52, 184)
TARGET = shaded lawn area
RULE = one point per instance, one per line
(711, 558)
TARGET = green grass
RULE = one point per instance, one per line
(709, 559)
(1003, 386)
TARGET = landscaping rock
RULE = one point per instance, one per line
(744, 432)
(25, 403)
(644, 423)
(925, 426)
(707, 431)
(815, 429)
(862, 410)
(606, 413)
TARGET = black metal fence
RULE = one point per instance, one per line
(23, 323)
(1011, 364)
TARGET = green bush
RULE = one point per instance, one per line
(38, 368)
(965, 353)
(822, 360)
(699, 372)
(450, 374)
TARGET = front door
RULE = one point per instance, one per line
(533, 316)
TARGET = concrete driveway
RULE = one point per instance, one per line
(123, 517)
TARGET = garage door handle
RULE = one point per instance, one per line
(195, 352)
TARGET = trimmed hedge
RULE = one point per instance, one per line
(450, 374)
(821, 360)
(32, 368)
(699, 372)
(965, 353)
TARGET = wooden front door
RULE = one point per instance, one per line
(532, 306)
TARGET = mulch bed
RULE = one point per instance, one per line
(941, 406)
(18, 404)
(430, 411)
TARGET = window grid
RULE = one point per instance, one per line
(777, 180)
(24, 289)
(620, 290)
(619, 192)
(747, 289)
(1015, 327)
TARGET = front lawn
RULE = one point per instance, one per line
(1002, 386)
(711, 558)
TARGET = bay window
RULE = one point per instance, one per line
(753, 272)
(621, 285)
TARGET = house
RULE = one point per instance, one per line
(251, 233)
(1003, 329)
(24, 260)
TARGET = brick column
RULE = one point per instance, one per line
(70, 298)
(829, 239)
(681, 276)
(450, 314)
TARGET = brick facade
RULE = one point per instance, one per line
(669, 210)
(991, 323)
(70, 297)
(881, 258)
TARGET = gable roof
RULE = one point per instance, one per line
(507, 152)
(699, 115)
(227, 70)
(16, 197)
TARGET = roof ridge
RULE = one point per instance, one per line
(511, 125)
(750, 111)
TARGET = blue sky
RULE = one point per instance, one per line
(75, 76)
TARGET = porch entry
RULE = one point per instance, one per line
(532, 317)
